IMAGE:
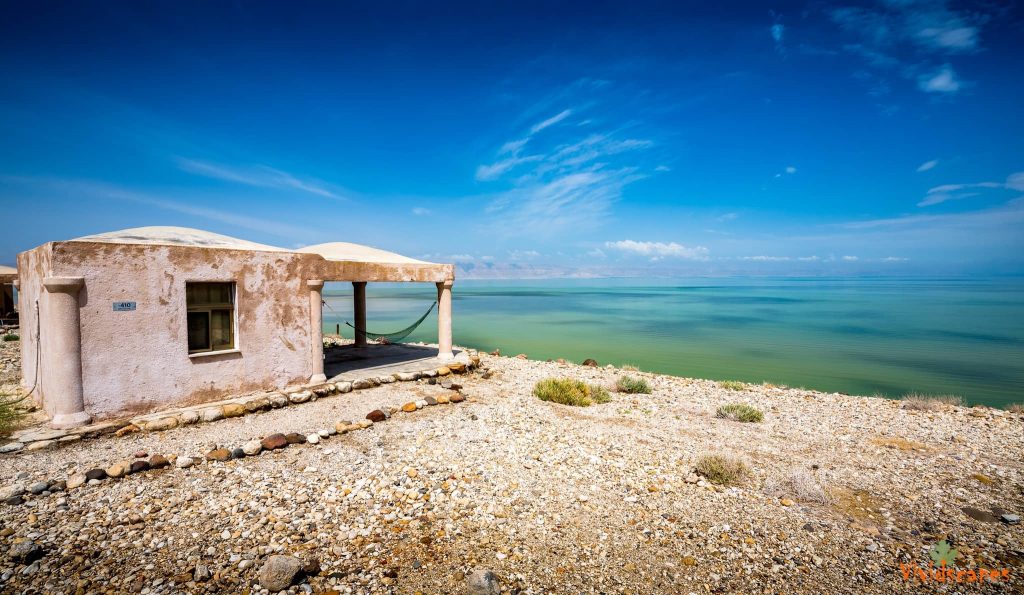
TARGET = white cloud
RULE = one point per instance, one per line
(522, 254)
(497, 169)
(551, 121)
(850, 258)
(895, 259)
(659, 249)
(259, 176)
(420, 211)
(778, 32)
(943, 80)
(790, 170)
(727, 217)
(597, 253)
(761, 258)
(663, 168)
(947, 192)
(927, 165)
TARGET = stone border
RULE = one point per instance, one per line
(39, 438)
(16, 493)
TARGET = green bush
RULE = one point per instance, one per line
(628, 384)
(732, 385)
(570, 392)
(721, 469)
(11, 337)
(740, 412)
(10, 413)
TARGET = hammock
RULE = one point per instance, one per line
(397, 335)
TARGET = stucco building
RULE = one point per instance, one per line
(146, 318)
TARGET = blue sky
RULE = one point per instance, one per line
(529, 139)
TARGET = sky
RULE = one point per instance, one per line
(529, 139)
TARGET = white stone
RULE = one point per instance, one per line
(252, 447)
(184, 462)
(211, 414)
(12, 447)
(300, 397)
(313, 438)
(344, 387)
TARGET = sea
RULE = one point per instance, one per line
(883, 337)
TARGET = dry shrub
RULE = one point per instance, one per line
(570, 392)
(630, 385)
(920, 402)
(1017, 408)
(740, 412)
(732, 385)
(800, 485)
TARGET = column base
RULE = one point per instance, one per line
(63, 421)
(317, 378)
(445, 355)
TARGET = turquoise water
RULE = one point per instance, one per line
(858, 336)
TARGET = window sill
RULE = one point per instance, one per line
(212, 353)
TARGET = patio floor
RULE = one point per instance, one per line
(348, 362)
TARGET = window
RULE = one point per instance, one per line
(211, 316)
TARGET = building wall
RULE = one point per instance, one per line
(138, 361)
(33, 265)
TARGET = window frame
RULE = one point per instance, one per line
(209, 308)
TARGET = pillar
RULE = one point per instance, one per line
(444, 320)
(62, 335)
(359, 309)
(316, 325)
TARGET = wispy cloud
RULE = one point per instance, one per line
(259, 176)
(948, 192)
(658, 250)
(550, 121)
(420, 211)
(943, 80)
(927, 165)
(572, 180)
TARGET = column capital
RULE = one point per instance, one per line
(69, 285)
(445, 284)
(315, 284)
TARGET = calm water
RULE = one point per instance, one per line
(859, 336)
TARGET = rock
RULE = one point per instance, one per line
(786, 502)
(139, 466)
(420, 403)
(386, 379)
(323, 433)
(364, 423)
(343, 387)
(361, 384)
(41, 486)
(279, 572)
(313, 438)
(483, 582)
(428, 373)
(218, 454)
(211, 414)
(158, 462)
(274, 442)
(201, 574)
(376, 416)
(140, 454)
(96, 474)
(406, 376)
(119, 469)
(164, 423)
(129, 429)
(457, 367)
(184, 462)
(443, 399)
(11, 491)
(12, 447)
(413, 473)
(189, 417)
(342, 426)
(458, 398)
(58, 486)
(443, 371)
(277, 400)
(77, 480)
(14, 500)
(521, 356)
(237, 453)
(589, 362)
(409, 407)
(430, 400)
(1010, 519)
(40, 445)
(496, 352)
(295, 438)
(252, 447)
(233, 410)
(26, 552)
(300, 397)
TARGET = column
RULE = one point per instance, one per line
(316, 327)
(444, 320)
(359, 308)
(62, 335)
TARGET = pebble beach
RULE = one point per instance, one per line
(504, 492)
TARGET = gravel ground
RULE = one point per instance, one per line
(550, 498)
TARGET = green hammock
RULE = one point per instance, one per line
(398, 335)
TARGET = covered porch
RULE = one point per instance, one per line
(360, 265)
